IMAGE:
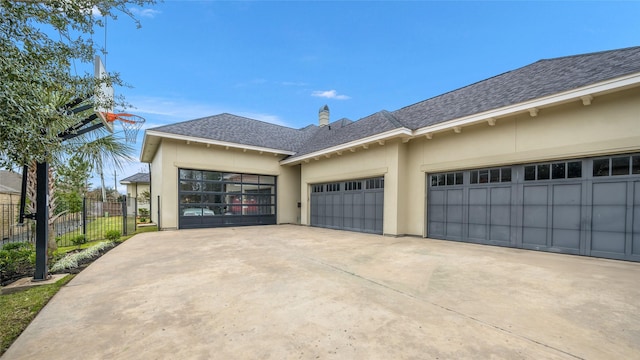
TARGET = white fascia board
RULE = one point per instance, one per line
(387, 135)
(217, 142)
(576, 94)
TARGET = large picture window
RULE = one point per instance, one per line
(205, 195)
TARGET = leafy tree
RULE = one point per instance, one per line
(39, 42)
(71, 184)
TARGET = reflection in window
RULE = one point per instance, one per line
(601, 167)
(635, 165)
(620, 165)
(574, 169)
(558, 171)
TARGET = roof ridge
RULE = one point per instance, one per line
(587, 54)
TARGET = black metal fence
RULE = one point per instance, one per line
(91, 223)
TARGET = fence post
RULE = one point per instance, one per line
(135, 214)
(84, 217)
(124, 215)
(159, 213)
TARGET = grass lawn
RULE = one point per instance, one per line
(18, 309)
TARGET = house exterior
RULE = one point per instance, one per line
(10, 189)
(137, 184)
(544, 157)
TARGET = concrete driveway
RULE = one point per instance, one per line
(293, 292)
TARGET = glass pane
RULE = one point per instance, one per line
(530, 172)
(210, 175)
(506, 175)
(190, 174)
(190, 199)
(459, 178)
(495, 175)
(557, 171)
(543, 172)
(252, 179)
(190, 185)
(483, 176)
(267, 179)
(620, 165)
(450, 180)
(212, 186)
(440, 180)
(434, 181)
(474, 177)
(636, 165)
(233, 188)
(574, 169)
(212, 198)
(232, 177)
(601, 167)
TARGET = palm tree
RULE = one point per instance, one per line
(98, 148)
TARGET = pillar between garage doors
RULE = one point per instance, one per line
(395, 189)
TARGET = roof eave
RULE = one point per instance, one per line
(531, 106)
(195, 139)
(387, 135)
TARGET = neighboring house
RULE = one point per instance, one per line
(544, 157)
(10, 189)
(137, 184)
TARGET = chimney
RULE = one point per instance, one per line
(323, 116)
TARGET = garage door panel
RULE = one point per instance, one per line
(609, 218)
(535, 216)
(567, 217)
(535, 195)
(500, 234)
(534, 236)
(478, 214)
(500, 215)
(609, 193)
(436, 229)
(566, 239)
(607, 241)
(477, 232)
(567, 194)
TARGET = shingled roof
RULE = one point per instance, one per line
(241, 130)
(540, 79)
(544, 78)
(137, 178)
(341, 133)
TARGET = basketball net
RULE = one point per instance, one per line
(130, 124)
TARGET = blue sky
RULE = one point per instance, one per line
(281, 61)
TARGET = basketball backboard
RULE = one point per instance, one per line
(103, 98)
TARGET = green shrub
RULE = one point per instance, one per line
(16, 259)
(113, 235)
(78, 240)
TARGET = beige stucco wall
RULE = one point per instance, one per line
(174, 154)
(134, 191)
(611, 124)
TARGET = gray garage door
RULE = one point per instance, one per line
(355, 205)
(586, 206)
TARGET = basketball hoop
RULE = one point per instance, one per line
(130, 123)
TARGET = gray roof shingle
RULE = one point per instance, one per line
(241, 130)
(340, 132)
(137, 178)
(540, 79)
